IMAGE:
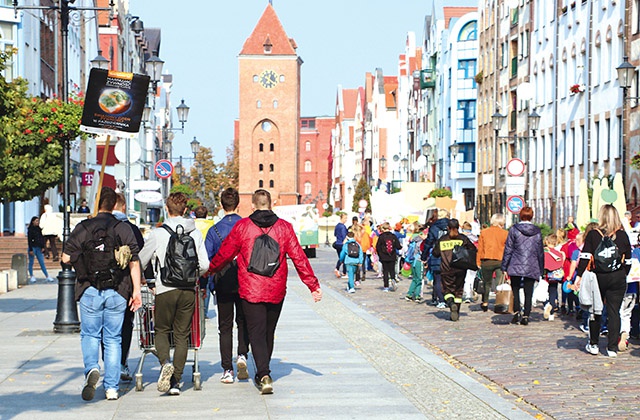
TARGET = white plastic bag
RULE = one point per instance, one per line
(541, 292)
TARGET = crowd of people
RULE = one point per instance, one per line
(533, 268)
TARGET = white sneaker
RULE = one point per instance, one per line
(551, 317)
(592, 348)
(164, 380)
(547, 311)
(241, 362)
(33, 279)
(624, 341)
(612, 353)
(227, 377)
(50, 279)
(441, 305)
(351, 290)
(111, 394)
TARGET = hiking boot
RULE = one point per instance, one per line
(111, 394)
(524, 320)
(227, 377)
(241, 362)
(164, 380)
(592, 349)
(547, 311)
(266, 385)
(455, 311)
(90, 382)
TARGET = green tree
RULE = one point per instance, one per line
(362, 192)
(32, 136)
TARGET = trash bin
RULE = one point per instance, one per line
(19, 263)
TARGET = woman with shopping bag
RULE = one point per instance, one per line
(523, 262)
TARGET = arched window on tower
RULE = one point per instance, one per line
(271, 167)
(272, 147)
(261, 147)
(271, 184)
(307, 188)
(261, 184)
(261, 167)
(307, 166)
(307, 146)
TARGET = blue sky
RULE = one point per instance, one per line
(338, 40)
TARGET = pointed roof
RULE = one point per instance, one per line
(269, 30)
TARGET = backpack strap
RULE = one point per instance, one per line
(215, 228)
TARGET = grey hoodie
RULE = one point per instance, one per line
(158, 240)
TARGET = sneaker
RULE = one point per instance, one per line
(584, 328)
(241, 362)
(352, 290)
(164, 380)
(441, 305)
(344, 276)
(90, 382)
(385, 289)
(418, 299)
(611, 353)
(467, 300)
(174, 389)
(547, 311)
(227, 377)
(125, 375)
(455, 314)
(266, 385)
(516, 318)
(111, 394)
(357, 282)
(624, 341)
(563, 310)
(50, 279)
(592, 349)
(604, 332)
(408, 298)
(551, 317)
(33, 279)
(337, 273)
(524, 320)
(484, 307)
(393, 285)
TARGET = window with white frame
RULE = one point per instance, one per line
(7, 44)
(307, 146)
(307, 166)
(307, 188)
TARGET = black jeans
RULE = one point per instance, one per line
(612, 289)
(388, 271)
(262, 319)
(174, 311)
(488, 267)
(127, 333)
(338, 248)
(527, 283)
(227, 303)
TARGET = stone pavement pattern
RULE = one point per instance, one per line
(331, 360)
(543, 364)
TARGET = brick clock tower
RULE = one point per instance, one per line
(268, 126)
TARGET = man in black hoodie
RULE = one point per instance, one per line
(437, 229)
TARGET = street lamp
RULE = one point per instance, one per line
(454, 149)
(100, 62)
(383, 162)
(195, 148)
(183, 113)
(153, 67)
(354, 181)
(497, 119)
(66, 320)
(626, 74)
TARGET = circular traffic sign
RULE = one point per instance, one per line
(363, 203)
(163, 168)
(515, 203)
(515, 167)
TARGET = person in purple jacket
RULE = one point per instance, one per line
(523, 261)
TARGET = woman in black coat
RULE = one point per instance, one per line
(36, 243)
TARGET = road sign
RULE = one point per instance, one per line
(148, 196)
(515, 167)
(515, 203)
(515, 185)
(163, 168)
(145, 184)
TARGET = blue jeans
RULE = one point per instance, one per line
(102, 314)
(37, 252)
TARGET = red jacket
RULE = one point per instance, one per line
(255, 288)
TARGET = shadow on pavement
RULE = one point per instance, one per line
(18, 305)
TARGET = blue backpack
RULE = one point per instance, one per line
(410, 256)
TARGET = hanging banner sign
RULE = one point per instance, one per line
(114, 103)
(86, 179)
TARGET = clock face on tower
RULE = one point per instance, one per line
(268, 79)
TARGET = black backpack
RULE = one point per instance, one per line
(606, 257)
(99, 264)
(265, 255)
(226, 280)
(181, 260)
(353, 249)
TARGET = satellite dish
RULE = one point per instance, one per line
(525, 91)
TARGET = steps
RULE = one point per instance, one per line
(10, 245)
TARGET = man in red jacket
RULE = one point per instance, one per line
(262, 297)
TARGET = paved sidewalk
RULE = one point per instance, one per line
(331, 360)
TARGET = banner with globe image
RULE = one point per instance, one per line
(114, 103)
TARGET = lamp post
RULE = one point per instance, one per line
(404, 162)
(325, 206)
(497, 119)
(66, 320)
(426, 151)
(626, 74)
(534, 122)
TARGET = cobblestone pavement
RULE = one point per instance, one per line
(542, 367)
